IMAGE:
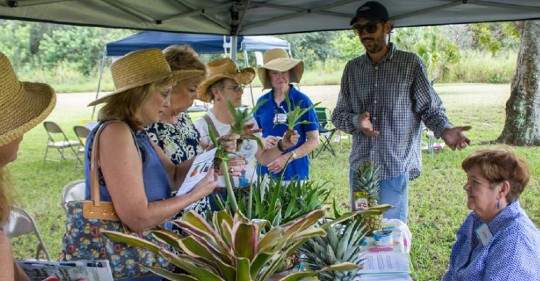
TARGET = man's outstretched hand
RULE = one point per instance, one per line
(455, 137)
(366, 127)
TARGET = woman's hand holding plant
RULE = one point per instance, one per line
(290, 139)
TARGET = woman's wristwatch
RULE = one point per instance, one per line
(294, 155)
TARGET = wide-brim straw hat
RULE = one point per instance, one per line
(139, 68)
(223, 68)
(186, 74)
(278, 60)
(23, 105)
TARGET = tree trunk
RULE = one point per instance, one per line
(522, 125)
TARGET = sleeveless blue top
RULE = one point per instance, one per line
(156, 183)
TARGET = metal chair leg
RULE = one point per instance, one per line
(46, 151)
(61, 150)
(76, 153)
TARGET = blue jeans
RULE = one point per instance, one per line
(393, 191)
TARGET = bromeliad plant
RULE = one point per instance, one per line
(366, 192)
(239, 128)
(295, 114)
(231, 248)
(278, 203)
(342, 243)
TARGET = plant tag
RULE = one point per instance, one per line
(483, 233)
(360, 200)
(280, 118)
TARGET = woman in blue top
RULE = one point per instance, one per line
(277, 73)
(497, 241)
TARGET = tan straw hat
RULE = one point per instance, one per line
(23, 105)
(185, 74)
(278, 60)
(223, 68)
(139, 68)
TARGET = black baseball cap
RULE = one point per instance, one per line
(371, 10)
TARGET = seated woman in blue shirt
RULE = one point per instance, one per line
(277, 73)
(497, 241)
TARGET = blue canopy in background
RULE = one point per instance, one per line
(202, 43)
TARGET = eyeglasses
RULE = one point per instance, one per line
(370, 27)
(237, 88)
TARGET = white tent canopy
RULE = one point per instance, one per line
(259, 17)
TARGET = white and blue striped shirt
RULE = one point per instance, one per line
(512, 253)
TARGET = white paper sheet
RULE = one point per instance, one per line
(385, 262)
(198, 170)
(67, 271)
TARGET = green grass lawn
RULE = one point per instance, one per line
(437, 201)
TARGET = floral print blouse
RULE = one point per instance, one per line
(179, 141)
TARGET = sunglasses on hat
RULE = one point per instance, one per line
(370, 27)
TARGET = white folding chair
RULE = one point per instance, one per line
(73, 191)
(21, 223)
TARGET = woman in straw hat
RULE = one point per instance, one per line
(175, 132)
(23, 105)
(224, 85)
(277, 74)
(136, 175)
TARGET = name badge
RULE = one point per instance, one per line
(483, 233)
(280, 118)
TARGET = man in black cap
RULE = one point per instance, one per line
(385, 95)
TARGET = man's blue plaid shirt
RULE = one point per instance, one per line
(399, 96)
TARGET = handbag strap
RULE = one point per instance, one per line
(210, 124)
(95, 193)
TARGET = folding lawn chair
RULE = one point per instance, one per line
(21, 223)
(82, 133)
(325, 133)
(58, 140)
(73, 191)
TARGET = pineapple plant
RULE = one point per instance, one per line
(342, 243)
(365, 194)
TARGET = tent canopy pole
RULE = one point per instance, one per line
(100, 76)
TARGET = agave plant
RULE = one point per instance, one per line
(231, 248)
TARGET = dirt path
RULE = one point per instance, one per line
(328, 95)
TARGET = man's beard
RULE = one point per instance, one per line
(373, 46)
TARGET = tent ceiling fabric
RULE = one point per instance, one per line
(258, 17)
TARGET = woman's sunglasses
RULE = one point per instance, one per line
(370, 27)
